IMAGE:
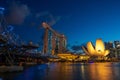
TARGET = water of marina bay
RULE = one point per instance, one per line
(67, 71)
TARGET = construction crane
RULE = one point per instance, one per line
(57, 40)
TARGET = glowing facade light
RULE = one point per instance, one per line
(98, 50)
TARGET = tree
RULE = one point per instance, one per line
(76, 48)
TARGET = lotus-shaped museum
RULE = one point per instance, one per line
(97, 50)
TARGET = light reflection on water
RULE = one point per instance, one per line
(67, 71)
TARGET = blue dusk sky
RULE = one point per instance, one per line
(79, 20)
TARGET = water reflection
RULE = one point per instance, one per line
(67, 71)
(100, 71)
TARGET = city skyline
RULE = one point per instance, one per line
(80, 21)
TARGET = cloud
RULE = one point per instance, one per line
(41, 14)
(48, 17)
(17, 12)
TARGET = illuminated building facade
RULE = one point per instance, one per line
(73, 57)
(117, 44)
(114, 48)
(98, 50)
(109, 45)
(54, 42)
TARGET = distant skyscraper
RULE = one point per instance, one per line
(109, 45)
(117, 44)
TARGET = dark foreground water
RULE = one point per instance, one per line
(67, 71)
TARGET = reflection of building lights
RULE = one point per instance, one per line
(99, 70)
(83, 70)
(99, 49)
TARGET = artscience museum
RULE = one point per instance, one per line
(97, 50)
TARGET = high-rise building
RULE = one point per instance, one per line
(117, 49)
(117, 44)
(109, 45)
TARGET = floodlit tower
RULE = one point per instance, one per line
(45, 43)
(57, 40)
